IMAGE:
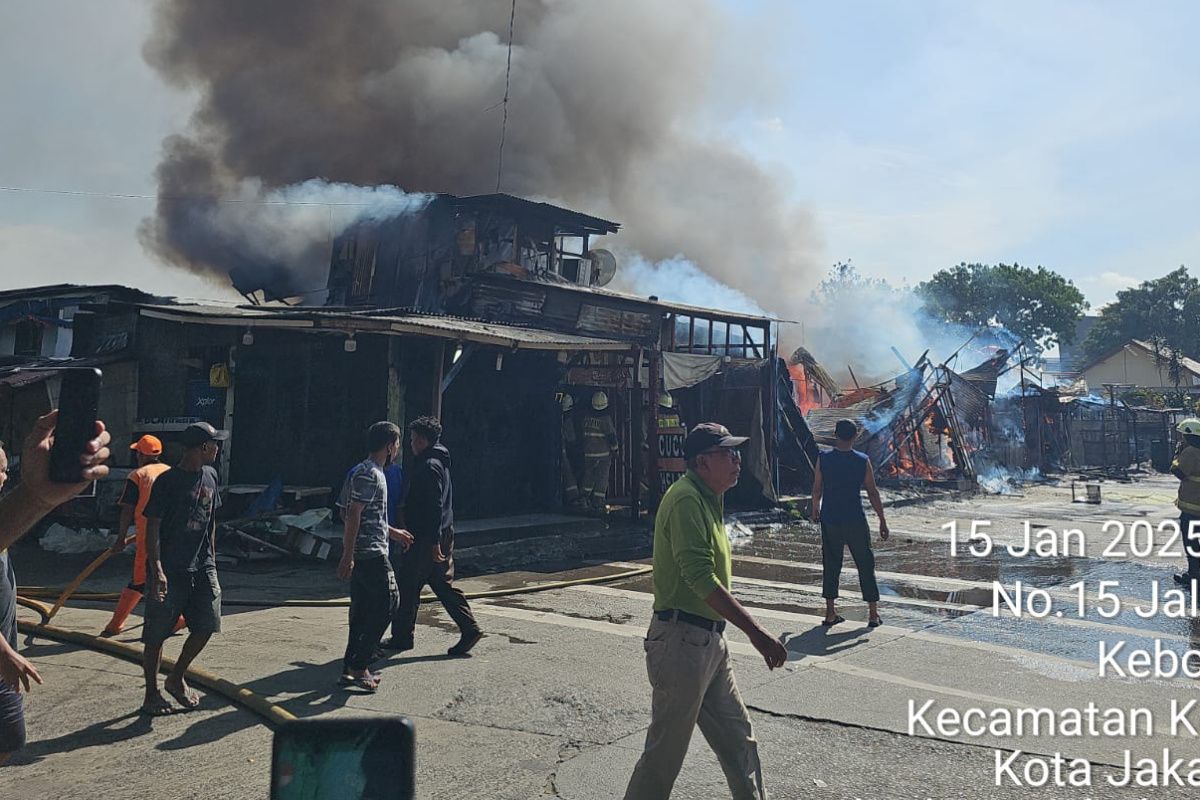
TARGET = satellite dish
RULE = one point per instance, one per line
(604, 266)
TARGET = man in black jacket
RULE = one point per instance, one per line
(429, 517)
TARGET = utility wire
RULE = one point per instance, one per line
(193, 198)
(507, 79)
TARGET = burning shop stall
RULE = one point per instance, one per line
(929, 424)
(518, 262)
(720, 366)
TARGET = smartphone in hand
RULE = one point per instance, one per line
(78, 410)
(344, 758)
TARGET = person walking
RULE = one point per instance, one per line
(1186, 467)
(365, 558)
(181, 568)
(20, 510)
(841, 475)
(687, 658)
(599, 447)
(133, 501)
(429, 515)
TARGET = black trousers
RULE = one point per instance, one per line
(373, 601)
(834, 541)
(418, 571)
(1193, 544)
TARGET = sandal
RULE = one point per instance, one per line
(188, 698)
(829, 623)
(875, 623)
(368, 683)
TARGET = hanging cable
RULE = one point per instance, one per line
(507, 78)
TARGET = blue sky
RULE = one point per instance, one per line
(922, 134)
(917, 134)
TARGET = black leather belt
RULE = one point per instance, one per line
(674, 614)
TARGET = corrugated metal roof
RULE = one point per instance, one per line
(677, 308)
(438, 326)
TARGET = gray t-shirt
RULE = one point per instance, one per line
(367, 484)
(8, 600)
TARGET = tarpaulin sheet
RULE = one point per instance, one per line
(683, 370)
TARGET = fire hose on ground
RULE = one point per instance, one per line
(271, 713)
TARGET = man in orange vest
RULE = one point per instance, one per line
(133, 503)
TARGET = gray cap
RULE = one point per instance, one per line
(708, 435)
(198, 433)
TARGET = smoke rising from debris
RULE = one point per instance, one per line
(856, 323)
(606, 104)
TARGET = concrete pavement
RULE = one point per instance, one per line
(554, 701)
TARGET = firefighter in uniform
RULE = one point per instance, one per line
(1186, 467)
(599, 446)
(570, 445)
(667, 416)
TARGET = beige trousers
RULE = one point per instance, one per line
(693, 685)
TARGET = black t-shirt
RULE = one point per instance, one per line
(8, 600)
(185, 502)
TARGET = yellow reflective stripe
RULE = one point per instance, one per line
(1183, 505)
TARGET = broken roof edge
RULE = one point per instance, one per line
(720, 315)
(440, 326)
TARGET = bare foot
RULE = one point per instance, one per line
(156, 705)
(183, 694)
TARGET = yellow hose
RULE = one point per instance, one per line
(83, 576)
(44, 592)
(274, 715)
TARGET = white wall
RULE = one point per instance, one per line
(1134, 366)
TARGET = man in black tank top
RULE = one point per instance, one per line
(841, 474)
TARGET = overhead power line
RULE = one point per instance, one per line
(512, 19)
(179, 197)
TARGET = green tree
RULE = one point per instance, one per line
(1038, 305)
(844, 282)
(1165, 311)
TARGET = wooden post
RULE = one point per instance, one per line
(637, 418)
(439, 368)
(653, 479)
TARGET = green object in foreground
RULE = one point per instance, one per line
(691, 548)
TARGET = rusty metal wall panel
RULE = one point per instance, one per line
(610, 321)
(970, 402)
(508, 304)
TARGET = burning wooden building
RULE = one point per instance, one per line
(486, 311)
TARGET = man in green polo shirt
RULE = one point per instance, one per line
(686, 656)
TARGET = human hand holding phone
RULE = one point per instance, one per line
(36, 482)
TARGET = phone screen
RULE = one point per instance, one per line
(343, 759)
(78, 404)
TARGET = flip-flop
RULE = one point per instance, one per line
(829, 623)
(190, 700)
(348, 680)
(164, 710)
(368, 684)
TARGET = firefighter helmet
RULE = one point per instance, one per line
(666, 401)
(567, 403)
(599, 401)
(1190, 426)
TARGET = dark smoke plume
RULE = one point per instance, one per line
(605, 104)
